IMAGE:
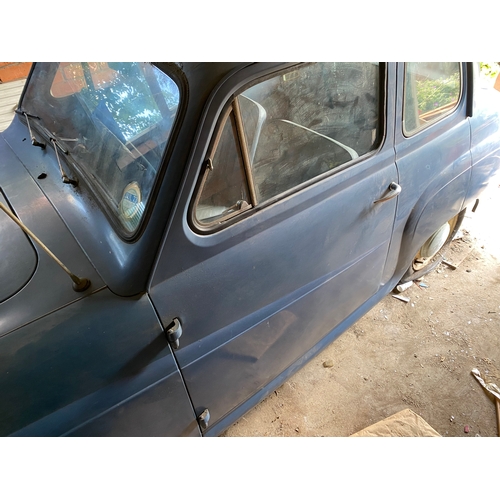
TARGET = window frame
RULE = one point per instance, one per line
(450, 112)
(235, 217)
(207, 167)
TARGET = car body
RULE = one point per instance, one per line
(230, 221)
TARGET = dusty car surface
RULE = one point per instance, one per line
(178, 239)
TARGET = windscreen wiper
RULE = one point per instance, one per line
(55, 142)
(64, 176)
(33, 140)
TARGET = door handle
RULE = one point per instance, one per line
(394, 190)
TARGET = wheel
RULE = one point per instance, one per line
(430, 254)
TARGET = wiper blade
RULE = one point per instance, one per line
(33, 140)
(64, 176)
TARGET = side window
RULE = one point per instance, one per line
(225, 190)
(284, 132)
(431, 92)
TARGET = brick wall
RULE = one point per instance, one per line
(10, 71)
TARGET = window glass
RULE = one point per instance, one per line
(225, 190)
(432, 91)
(308, 122)
(289, 129)
(115, 120)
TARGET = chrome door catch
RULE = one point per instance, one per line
(174, 332)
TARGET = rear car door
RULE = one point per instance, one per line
(432, 141)
(276, 238)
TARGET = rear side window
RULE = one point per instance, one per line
(286, 131)
(431, 92)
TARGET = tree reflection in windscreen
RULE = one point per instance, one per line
(115, 120)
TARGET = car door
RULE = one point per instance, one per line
(432, 141)
(276, 237)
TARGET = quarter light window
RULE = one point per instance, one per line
(287, 131)
(432, 91)
(225, 189)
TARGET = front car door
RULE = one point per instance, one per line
(276, 239)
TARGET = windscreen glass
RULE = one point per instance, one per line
(114, 120)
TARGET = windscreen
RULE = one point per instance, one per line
(114, 120)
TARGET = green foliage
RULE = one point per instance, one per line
(489, 69)
(432, 94)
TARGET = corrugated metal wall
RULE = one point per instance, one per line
(12, 78)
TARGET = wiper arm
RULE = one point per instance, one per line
(64, 176)
(56, 143)
(33, 140)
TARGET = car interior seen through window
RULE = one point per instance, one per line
(432, 91)
(287, 130)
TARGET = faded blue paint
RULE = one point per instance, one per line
(256, 300)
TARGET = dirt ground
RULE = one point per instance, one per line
(416, 355)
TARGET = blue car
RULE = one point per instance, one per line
(178, 239)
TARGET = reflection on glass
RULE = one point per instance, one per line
(432, 90)
(115, 120)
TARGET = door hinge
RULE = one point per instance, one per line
(174, 332)
(203, 419)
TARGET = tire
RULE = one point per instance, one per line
(430, 254)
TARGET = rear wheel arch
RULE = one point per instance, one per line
(429, 254)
